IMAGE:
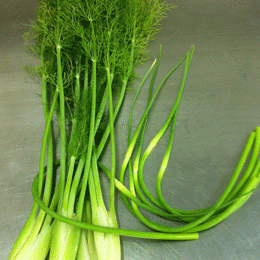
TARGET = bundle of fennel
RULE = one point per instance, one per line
(88, 52)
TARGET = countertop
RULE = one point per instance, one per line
(219, 108)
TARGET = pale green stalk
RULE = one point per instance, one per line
(123, 232)
(63, 138)
(90, 141)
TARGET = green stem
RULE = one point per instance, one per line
(133, 180)
(208, 214)
(96, 180)
(101, 109)
(132, 197)
(63, 138)
(128, 73)
(250, 166)
(137, 131)
(161, 174)
(245, 195)
(45, 105)
(159, 135)
(123, 232)
(68, 183)
(75, 184)
(112, 141)
(90, 141)
(116, 110)
(73, 135)
(45, 141)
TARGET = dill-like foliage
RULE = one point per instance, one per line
(92, 30)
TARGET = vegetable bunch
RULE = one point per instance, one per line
(88, 52)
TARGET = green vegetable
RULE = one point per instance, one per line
(88, 52)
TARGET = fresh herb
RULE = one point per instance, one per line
(88, 51)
